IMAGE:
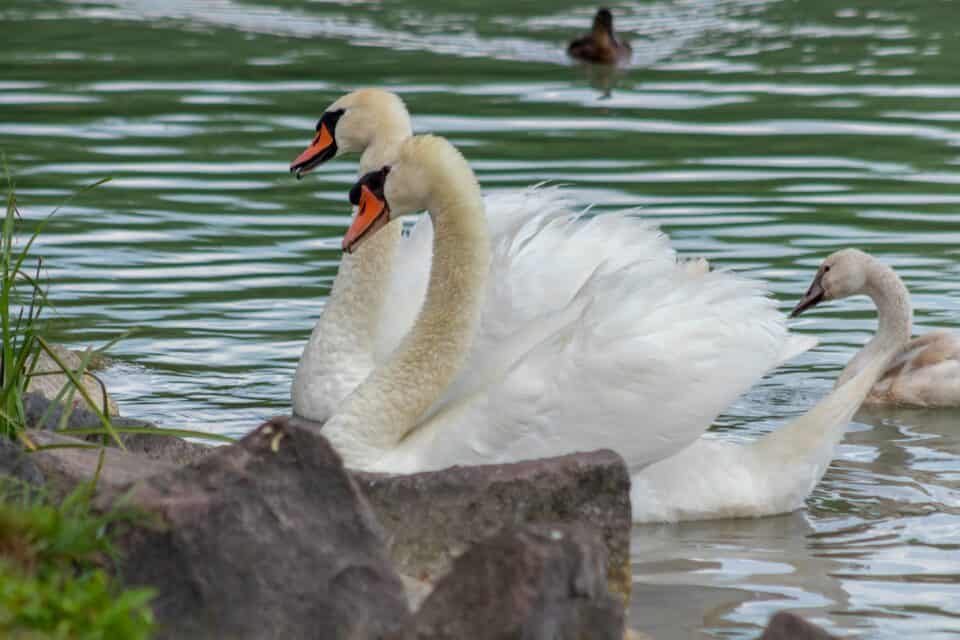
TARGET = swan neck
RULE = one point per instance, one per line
(894, 313)
(800, 451)
(390, 403)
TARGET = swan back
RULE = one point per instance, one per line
(641, 359)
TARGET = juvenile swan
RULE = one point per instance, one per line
(774, 474)
(926, 373)
(640, 359)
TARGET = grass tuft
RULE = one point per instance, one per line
(22, 300)
(54, 582)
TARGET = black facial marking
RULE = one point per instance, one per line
(330, 119)
(375, 181)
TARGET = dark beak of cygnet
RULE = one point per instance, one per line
(812, 297)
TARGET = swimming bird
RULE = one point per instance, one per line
(601, 45)
(926, 373)
(380, 287)
(715, 478)
(641, 356)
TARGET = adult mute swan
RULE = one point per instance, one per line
(342, 346)
(642, 356)
(380, 287)
(775, 473)
(926, 373)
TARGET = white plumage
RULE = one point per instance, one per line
(620, 346)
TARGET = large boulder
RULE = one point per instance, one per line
(789, 626)
(433, 517)
(533, 582)
(266, 538)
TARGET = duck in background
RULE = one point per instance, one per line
(601, 45)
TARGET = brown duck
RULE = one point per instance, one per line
(600, 45)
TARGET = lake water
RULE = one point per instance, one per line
(763, 135)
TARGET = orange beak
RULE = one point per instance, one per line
(320, 150)
(372, 214)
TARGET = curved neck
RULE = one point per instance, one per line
(359, 289)
(342, 345)
(389, 404)
(802, 449)
(894, 314)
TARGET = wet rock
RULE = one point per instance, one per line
(531, 582)
(789, 626)
(432, 517)
(75, 461)
(266, 538)
(48, 377)
(42, 413)
(164, 448)
(15, 463)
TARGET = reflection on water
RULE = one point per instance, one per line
(760, 134)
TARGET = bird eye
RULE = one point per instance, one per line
(826, 268)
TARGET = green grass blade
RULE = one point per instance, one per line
(83, 392)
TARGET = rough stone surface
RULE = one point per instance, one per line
(41, 415)
(53, 380)
(532, 582)
(432, 517)
(266, 538)
(155, 446)
(16, 463)
(64, 468)
(789, 626)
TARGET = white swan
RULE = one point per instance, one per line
(641, 357)
(380, 288)
(926, 373)
(775, 473)
(342, 346)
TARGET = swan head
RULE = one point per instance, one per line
(841, 275)
(428, 172)
(354, 123)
